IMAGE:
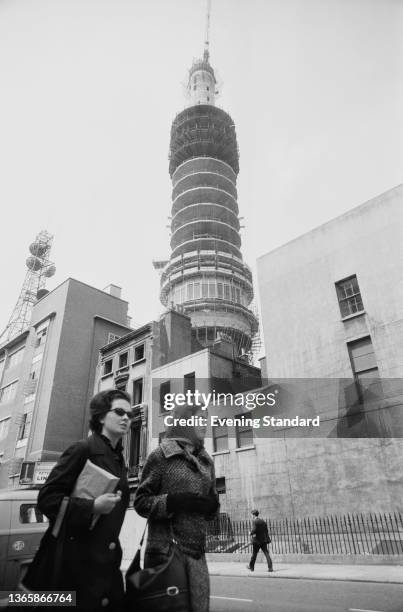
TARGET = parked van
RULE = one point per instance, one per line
(22, 526)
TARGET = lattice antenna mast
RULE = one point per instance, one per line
(33, 288)
(206, 53)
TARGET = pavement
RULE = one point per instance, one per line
(312, 571)
(392, 574)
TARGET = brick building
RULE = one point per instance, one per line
(47, 374)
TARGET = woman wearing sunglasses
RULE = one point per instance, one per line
(91, 554)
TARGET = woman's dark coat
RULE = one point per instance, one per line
(171, 469)
(91, 557)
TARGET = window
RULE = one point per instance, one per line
(189, 382)
(137, 391)
(23, 430)
(134, 453)
(108, 365)
(4, 425)
(41, 337)
(27, 472)
(7, 393)
(210, 334)
(35, 370)
(212, 289)
(2, 362)
(244, 435)
(112, 338)
(30, 396)
(30, 513)
(220, 438)
(348, 293)
(139, 352)
(165, 388)
(364, 366)
(15, 358)
(220, 485)
(190, 291)
(123, 359)
(362, 357)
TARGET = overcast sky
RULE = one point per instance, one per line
(88, 91)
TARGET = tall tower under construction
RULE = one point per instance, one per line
(206, 276)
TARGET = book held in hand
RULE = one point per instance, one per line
(92, 482)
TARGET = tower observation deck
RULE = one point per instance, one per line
(206, 276)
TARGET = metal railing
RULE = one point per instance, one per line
(349, 534)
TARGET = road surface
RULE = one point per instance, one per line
(250, 594)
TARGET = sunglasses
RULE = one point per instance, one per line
(122, 412)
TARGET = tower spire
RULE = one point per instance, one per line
(205, 277)
(201, 86)
(206, 54)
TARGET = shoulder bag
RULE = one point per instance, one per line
(162, 588)
(44, 572)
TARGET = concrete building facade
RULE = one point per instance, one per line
(318, 279)
(332, 316)
(47, 374)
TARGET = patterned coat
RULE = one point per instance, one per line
(171, 469)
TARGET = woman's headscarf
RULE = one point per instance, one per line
(184, 432)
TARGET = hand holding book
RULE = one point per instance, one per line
(92, 483)
(97, 484)
(106, 502)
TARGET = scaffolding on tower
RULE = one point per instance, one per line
(33, 288)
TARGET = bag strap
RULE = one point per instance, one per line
(59, 532)
(142, 537)
(173, 540)
(58, 562)
(65, 502)
(60, 516)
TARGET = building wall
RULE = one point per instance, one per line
(50, 310)
(311, 477)
(214, 370)
(305, 337)
(56, 375)
(123, 378)
(303, 332)
(199, 363)
(90, 315)
(11, 408)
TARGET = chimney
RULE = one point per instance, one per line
(175, 336)
(113, 290)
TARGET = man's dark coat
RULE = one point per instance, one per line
(91, 557)
(260, 533)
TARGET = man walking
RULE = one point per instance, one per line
(260, 540)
